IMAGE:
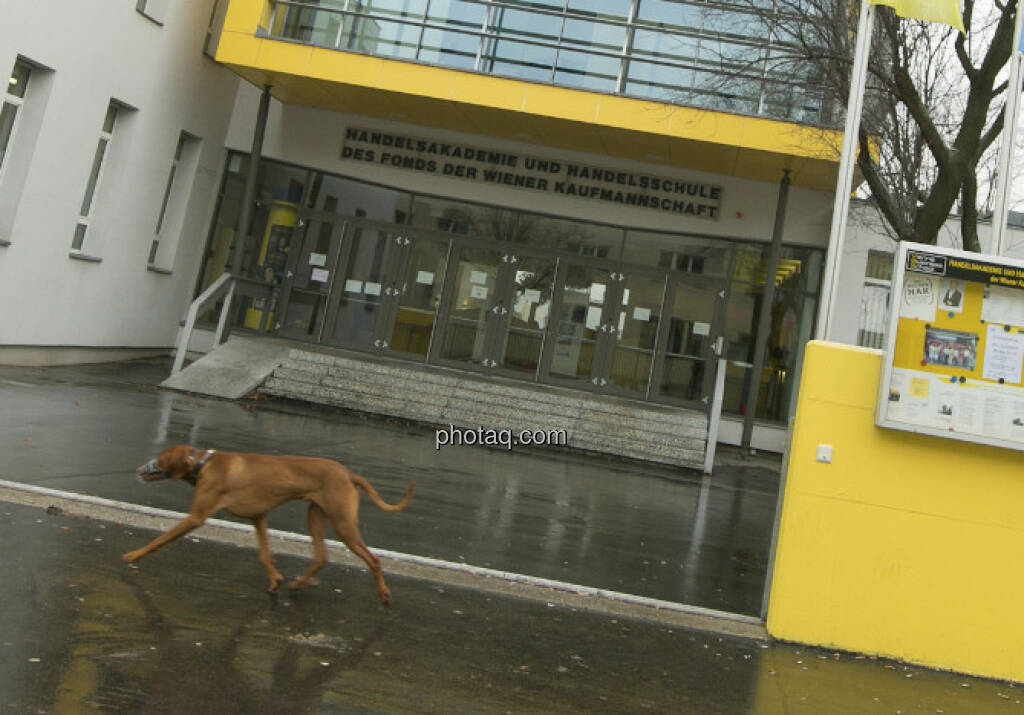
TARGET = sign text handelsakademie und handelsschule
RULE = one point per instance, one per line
(489, 166)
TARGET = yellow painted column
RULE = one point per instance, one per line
(907, 546)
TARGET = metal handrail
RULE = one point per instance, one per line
(224, 283)
(715, 415)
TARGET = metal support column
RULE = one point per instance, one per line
(765, 316)
(249, 195)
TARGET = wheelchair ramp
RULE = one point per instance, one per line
(232, 370)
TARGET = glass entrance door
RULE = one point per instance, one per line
(693, 320)
(606, 328)
(633, 333)
(473, 301)
(640, 332)
(498, 309)
(580, 320)
(309, 277)
(413, 295)
(358, 295)
(528, 282)
(388, 290)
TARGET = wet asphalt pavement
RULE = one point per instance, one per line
(191, 631)
(596, 521)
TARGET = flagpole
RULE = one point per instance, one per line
(1004, 178)
(847, 161)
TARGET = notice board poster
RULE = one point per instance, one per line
(954, 353)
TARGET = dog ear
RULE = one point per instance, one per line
(178, 460)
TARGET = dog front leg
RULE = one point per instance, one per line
(266, 558)
(184, 526)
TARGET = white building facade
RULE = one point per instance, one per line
(124, 163)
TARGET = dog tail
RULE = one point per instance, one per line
(375, 497)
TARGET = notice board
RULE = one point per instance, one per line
(954, 349)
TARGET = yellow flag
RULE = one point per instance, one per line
(945, 11)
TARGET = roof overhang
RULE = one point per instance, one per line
(652, 132)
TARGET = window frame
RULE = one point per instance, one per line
(13, 100)
(96, 174)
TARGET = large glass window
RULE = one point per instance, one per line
(551, 301)
(792, 320)
(17, 85)
(452, 37)
(688, 254)
(172, 205)
(522, 44)
(279, 190)
(389, 27)
(95, 175)
(874, 301)
(677, 52)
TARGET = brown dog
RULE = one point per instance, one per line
(250, 485)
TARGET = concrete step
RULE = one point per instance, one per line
(443, 397)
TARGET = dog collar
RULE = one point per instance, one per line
(193, 475)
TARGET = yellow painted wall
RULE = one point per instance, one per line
(907, 546)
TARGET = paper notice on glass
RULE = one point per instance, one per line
(352, 286)
(920, 294)
(317, 259)
(996, 416)
(597, 292)
(531, 296)
(425, 277)
(919, 387)
(1002, 305)
(1004, 354)
(625, 296)
(951, 295)
(643, 314)
(903, 404)
(478, 277)
(700, 328)
(593, 317)
(1017, 417)
(479, 292)
(372, 288)
(897, 394)
(970, 410)
(942, 403)
(319, 275)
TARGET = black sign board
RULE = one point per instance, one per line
(926, 263)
